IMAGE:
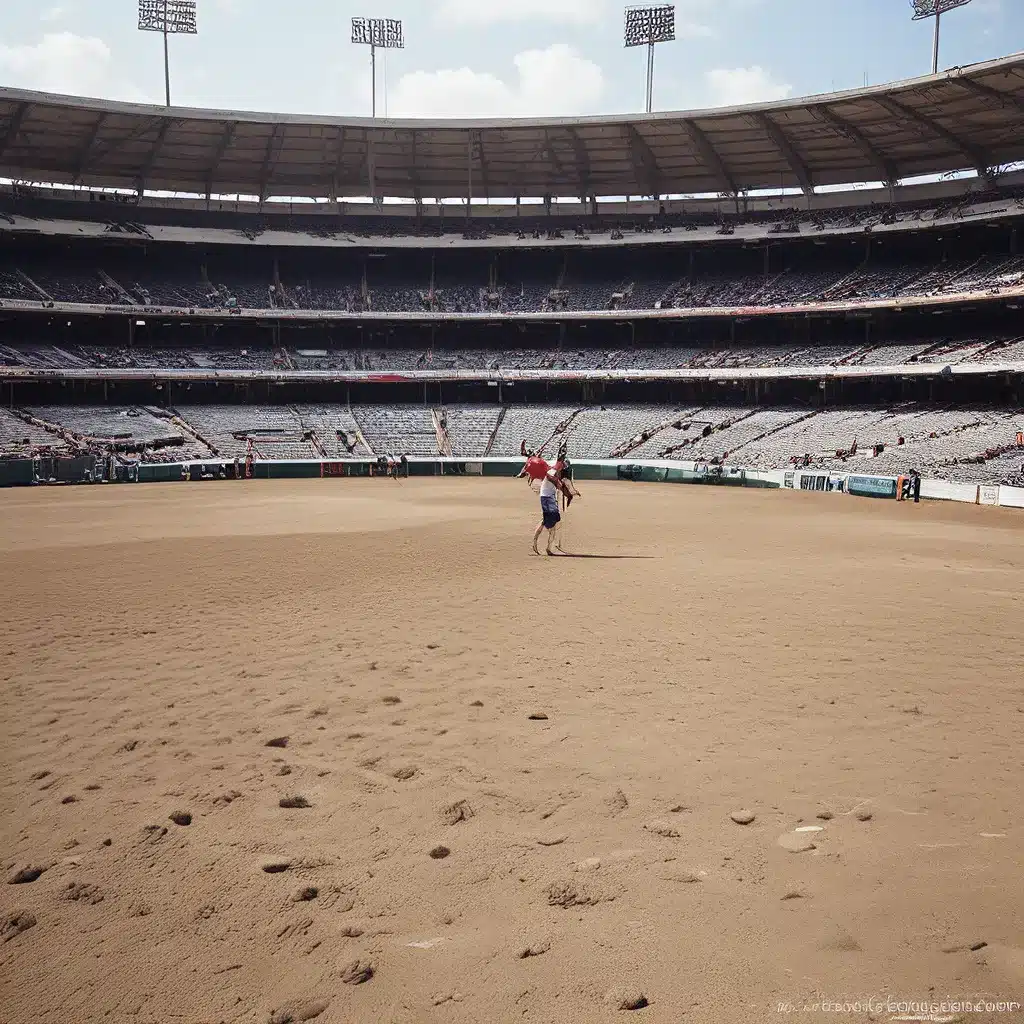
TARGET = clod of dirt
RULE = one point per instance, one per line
(351, 931)
(39, 776)
(404, 774)
(356, 972)
(552, 840)
(391, 699)
(662, 828)
(864, 815)
(964, 947)
(293, 802)
(310, 892)
(824, 815)
(569, 894)
(440, 852)
(839, 941)
(742, 817)
(82, 892)
(477, 704)
(795, 842)
(13, 924)
(534, 949)
(70, 799)
(182, 818)
(25, 875)
(617, 802)
(624, 997)
(278, 741)
(683, 876)
(456, 812)
(226, 798)
(538, 716)
(275, 867)
(284, 770)
(299, 1011)
(793, 894)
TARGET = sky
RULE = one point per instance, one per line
(483, 58)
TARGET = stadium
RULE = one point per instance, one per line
(302, 742)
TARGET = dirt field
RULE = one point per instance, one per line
(813, 660)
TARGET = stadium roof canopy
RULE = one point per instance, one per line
(966, 118)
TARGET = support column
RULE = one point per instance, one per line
(469, 177)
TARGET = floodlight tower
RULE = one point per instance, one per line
(647, 26)
(172, 18)
(385, 33)
(935, 9)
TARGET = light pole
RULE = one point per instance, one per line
(385, 33)
(172, 18)
(647, 26)
(935, 9)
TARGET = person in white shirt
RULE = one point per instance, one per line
(550, 516)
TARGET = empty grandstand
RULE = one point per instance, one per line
(877, 329)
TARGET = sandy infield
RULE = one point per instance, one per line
(521, 773)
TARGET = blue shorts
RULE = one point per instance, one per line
(549, 507)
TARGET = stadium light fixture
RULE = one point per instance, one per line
(172, 18)
(935, 9)
(377, 33)
(648, 26)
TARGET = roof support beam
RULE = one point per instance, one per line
(222, 147)
(1001, 99)
(86, 153)
(781, 142)
(645, 163)
(270, 158)
(886, 168)
(414, 174)
(339, 165)
(151, 158)
(13, 128)
(582, 156)
(977, 157)
(481, 153)
(556, 161)
(709, 156)
(113, 145)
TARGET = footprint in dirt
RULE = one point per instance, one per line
(82, 892)
(16, 922)
(23, 876)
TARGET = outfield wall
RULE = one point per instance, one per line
(641, 471)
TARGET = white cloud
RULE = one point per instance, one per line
(730, 87)
(487, 12)
(59, 62)
(66, 63)
(52, 14)
(553, 81)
